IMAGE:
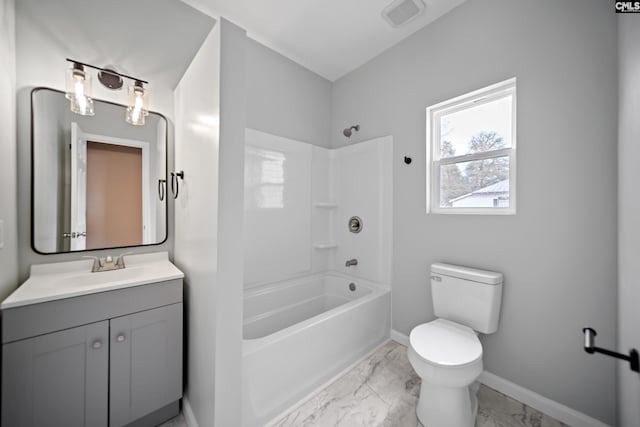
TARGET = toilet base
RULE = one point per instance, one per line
(440, 406)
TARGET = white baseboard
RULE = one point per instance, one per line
(189, 418)
(530, 398)
(400, 338)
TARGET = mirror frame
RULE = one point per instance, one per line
(32, 176)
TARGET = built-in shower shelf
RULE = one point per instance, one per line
(325, 245)
(325, 205)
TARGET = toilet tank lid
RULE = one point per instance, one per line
(467, 273)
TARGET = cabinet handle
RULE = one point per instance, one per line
(96, 344)
(120, 338)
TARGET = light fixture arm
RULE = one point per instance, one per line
(106, 70)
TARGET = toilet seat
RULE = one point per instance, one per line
(446, 344)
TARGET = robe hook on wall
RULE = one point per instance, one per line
(175, 185)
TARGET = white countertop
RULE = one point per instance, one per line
(48, 282)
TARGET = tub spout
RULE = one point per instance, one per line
(351, 262)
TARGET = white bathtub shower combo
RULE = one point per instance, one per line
(300, 333)
(308, 313)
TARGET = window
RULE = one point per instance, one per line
(471, 152)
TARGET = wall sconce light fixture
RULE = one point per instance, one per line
(110, 78)
(138, 107)
(79, 91)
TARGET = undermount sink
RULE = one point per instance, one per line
(49, 282)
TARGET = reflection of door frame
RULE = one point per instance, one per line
(78, 202)
(148, 218)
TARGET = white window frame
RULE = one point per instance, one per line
(434, 162)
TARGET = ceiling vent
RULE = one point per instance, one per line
(401, 12)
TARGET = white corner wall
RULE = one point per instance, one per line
(197, 140)
(210, 124)
(628, 214)
(558, 253)
(8, 157)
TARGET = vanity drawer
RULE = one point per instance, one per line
(38, 319)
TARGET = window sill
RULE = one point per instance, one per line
(473, 211)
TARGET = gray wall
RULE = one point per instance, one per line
(286, 99)
(628, 214)
(228, 293)
(36, 51)
(8, 211)
(558, 253)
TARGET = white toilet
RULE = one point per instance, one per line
(446, 353)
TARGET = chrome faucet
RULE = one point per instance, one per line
(108, 263)
(97, 263)
(351, 262)
(120, 260)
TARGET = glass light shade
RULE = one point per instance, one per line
(79, 91)
(138, 108)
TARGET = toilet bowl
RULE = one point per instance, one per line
(446, 353)
(448, 358)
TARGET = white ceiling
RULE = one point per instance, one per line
(138, 37)
(330, 37)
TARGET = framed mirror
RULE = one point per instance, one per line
(97, 181)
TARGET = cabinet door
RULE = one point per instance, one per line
(57, 380)
(145, 363)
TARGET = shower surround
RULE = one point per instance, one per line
(307, 315)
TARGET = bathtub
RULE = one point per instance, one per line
(300, 333)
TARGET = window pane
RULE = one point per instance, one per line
(476, 129)
(476, 184)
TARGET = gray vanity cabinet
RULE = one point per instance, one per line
(107, 359)
(59, 379)
(145, 363)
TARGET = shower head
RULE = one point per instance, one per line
(348, 131)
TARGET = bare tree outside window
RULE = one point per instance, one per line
(464, 178)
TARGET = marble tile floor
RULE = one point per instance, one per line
(382, 391)
(178, 421)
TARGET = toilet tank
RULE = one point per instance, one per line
(467, 296)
